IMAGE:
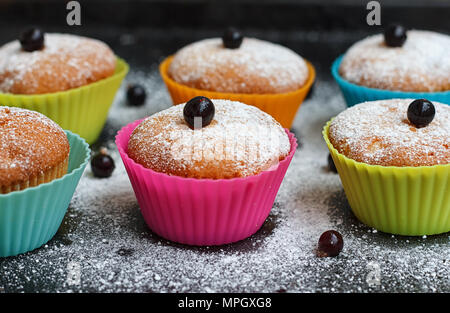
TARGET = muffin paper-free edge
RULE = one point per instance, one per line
(30, 217)
(81, 110)
(202, 211)
(354, 94)
(397, 200)
(55, 172)
(283, 106)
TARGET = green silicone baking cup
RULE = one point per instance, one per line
(30, 217)
(411, 201)
(81, 110)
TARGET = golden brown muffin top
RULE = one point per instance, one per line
(65, 62)
(421, 64)
(379, 133)
(257, 66)
(30, 144)
(240, 141)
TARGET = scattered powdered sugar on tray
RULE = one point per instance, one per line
(240, 141)
(379, 132)
(157, 99)
(104, 245)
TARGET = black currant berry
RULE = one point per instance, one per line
(201, 108)
(232, 38)
(32, 39)
(136, 95)
(330, 244)
(395, 35)
(421, 112)
(102, 164)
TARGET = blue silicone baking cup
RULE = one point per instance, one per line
(29, 218)
(355, 94)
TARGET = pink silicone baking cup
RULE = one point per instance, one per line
(202, 212)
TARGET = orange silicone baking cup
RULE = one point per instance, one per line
(282, 106)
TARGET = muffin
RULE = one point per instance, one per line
(256, 72)
(421, 64)
(64, 62)
(398, 64)
(33, 149)
(393, 157)
(206, 172)
(240, 141)
(70, 79)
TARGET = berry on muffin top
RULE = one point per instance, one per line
(239, 141)
(254, 66)
(419, 64)
(380, 133)
(64, 62)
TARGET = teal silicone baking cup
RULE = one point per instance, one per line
(355, 94)
(30, 217)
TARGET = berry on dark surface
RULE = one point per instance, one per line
(102, 164)
(136, 95)
(331, 165)
(395, 35)
(330, 244)
(421, 112)
(32, 39)
(232, 38)
(200, 108)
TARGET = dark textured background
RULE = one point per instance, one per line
(317, 29)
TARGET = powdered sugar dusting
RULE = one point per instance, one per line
(30, 143)
(240, 141)
(421, 64)
(105, 236)
(66, 61)
(379, 132)
(256, 67)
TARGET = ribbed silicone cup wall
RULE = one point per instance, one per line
(283, 106)
(354, 94)
(31, 217)
(81, 110)
(397, 200)
(202, 211)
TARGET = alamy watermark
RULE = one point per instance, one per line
(74, 16)
(374, 15)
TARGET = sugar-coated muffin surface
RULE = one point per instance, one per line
(65, 62)
(257, 66)
(30, 145)
(240, 141)
(379, 133)
(422, 64)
